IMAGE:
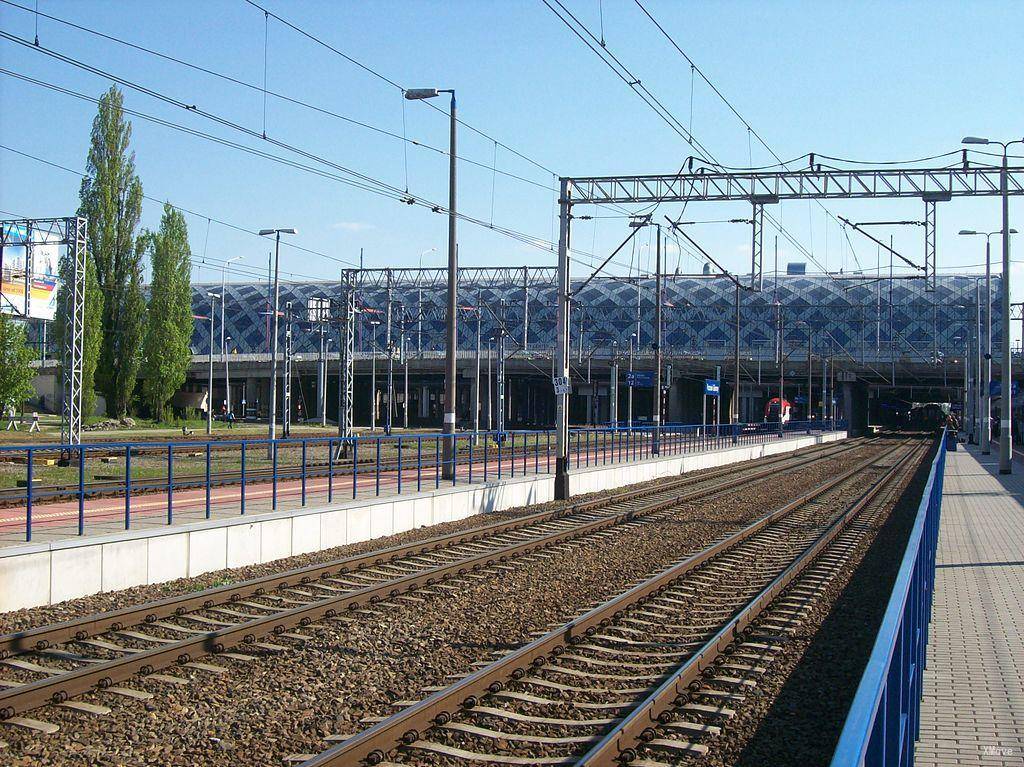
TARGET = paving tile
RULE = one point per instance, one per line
(973, 707)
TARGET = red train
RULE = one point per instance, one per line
(772, 410)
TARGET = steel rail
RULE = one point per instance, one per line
(101, 675)
(44, 637)
(371, 746)
(619, 746)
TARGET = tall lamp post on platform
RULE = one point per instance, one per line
(272, 425)
(1005, 394)
(986, 379)
(418, 94)
(223, 349)
(209, 391)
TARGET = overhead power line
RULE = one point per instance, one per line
(157, 200)
(384, 78)
(281, 96)
(751, 131)
(352, 178)
(601, 49)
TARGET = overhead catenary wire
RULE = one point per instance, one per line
(750, 129)
(376, 187)
(264, 91)
(181, 209)
(605, 54)
(375, 73)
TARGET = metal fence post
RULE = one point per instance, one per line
(241, 496)
(127, 486)
(303, 473)
(28, 496)
(330, 469)
(399, 464)
(81, 490)
(377, 470)
(273, 490)
(208, 479)
(170, 483)
(355, 466)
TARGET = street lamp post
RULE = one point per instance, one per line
(986, 393)
(272, 419)
(227, 372)
(223, 350)
(629, 385)
(209, 391)
(428, 250)
(1005, 395)
(415, 94)
(613, 393)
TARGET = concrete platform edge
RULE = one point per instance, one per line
(47, 573)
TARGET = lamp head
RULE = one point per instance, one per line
(974, 140)
(416, 94)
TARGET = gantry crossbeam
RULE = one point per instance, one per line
(808, 184)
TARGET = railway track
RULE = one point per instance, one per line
(650, 677)
(53, 664)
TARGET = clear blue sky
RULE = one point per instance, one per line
(871, 81)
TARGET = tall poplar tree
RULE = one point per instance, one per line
(111, 201)
(16, 372)
(166, 350)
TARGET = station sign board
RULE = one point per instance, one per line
(640, 379)
(712, 387)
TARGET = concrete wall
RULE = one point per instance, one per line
(47, 573)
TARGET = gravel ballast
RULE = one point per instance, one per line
(284, 703)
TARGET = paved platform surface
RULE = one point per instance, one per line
(973, 708)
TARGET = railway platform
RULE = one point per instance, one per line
(66, 561)
(973, 707)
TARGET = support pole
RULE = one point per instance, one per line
(734, 404)
(757, 248)
(656, 444)
(451, 334)
(501, 368)
(613, 389)
(1006, 394)
(562, 340)
(389, 344)
(782, 371)
(986, 378)
(978, 382)
(476, 389)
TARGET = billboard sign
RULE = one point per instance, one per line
(30, 272)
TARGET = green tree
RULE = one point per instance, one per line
(92, 325)
(111, 201)
(166, 350)
(16, 371)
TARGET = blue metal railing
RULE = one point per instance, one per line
(160, 482)
(883, 722)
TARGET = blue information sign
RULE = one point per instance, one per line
(995, 388)
(712, 387)
(642, 379)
